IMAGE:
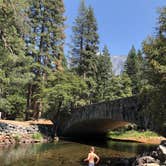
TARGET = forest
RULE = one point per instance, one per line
(37, 77)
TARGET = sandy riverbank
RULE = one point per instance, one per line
(151, 140)
(27, 123)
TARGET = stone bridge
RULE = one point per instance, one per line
(97, 119)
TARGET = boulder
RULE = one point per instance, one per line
(161, 151)
(145, 160)
(163, 143)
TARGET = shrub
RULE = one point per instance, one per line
(37, 136)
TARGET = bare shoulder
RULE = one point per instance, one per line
(96, 155)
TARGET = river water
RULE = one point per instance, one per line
(66, 153)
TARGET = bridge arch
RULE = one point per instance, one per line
(97, 119)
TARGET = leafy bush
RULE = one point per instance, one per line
(37, 136)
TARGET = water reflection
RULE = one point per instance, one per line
(131, 147)
(64, 153)
(13, 153)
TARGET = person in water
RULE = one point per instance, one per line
(91, 157)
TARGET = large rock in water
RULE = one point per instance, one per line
(156, 158)
(161, 151)
(146, 160)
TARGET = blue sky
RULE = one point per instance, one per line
(121, 23)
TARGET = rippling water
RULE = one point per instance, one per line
(66, 153)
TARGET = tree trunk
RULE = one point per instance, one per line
(29, 95)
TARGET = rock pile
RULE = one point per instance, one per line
(12, 134)
(15, 129)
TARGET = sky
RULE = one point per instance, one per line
(121, 23)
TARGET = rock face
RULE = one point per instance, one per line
(118, 63)
(11, 134)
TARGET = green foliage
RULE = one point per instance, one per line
(17, 138)
(120, 86)
(46, 37)
(37, 136)
(44, 43)
(133, 67)
(103, 76)
(78, 37)
(88, 63)
(132, 134)
(85, 42)
(14, 65)
(64, 91)
(155, 73)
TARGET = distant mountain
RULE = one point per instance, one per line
(118, 63)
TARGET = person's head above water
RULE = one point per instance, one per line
(92, 149)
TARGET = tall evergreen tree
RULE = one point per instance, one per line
(155, 72)
(85, 42)
(139, 74)
(104, 75)
(45, 42)
(132, 68)
(88, 64)
(47, 32)
(130, 64)
(120, 87)
(78, 37)
(14, 65)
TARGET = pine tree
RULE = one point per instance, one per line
(78, 37)
(88, 64)
(139, 74)
(14, 65)
(104, 75)
(45, 42)
(132, 68)
(85, 43)
(155, 72)
(47, 32)
(120, 87)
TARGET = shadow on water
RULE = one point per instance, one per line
(66, 153)
(122, 146)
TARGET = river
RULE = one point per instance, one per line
(66, 153)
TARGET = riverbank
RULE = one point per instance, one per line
(16, 132)
(147, 137)
(27, 123)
